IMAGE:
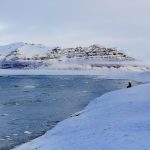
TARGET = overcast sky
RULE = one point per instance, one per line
(68, 23)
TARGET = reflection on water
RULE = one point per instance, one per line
(31, 105)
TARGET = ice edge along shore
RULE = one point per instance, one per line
(117, 120)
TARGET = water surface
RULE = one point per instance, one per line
(31, 105)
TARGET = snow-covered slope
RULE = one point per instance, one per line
(27, 56)
(36, 51)
(4, 50)
(23, 51)
(118, 120)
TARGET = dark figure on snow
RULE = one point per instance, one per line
(129, 85)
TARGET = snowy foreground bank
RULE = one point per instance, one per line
(118, 120)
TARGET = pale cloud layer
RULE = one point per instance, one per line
(3, 27)
(112, 23)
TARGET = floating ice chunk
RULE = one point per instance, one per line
(7, 136)
(29, 86)
(2, 139)
(27, 132)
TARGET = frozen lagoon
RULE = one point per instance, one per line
(31, 105)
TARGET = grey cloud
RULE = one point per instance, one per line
(121, 23)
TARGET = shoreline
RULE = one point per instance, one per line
(112, 75)
(104, 73)
(119, 74)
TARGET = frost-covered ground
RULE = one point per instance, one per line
(118, 120)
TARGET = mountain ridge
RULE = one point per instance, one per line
(38, 51)
(37, 56)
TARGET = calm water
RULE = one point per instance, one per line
(31, 105)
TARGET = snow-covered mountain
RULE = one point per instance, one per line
(25, 55)
(25, 51)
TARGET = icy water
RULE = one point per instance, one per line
(31, 105)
